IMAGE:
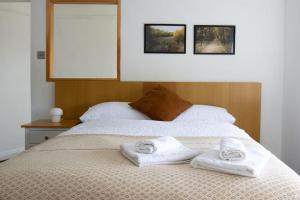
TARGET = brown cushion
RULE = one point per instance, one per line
(161, 104)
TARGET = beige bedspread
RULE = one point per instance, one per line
(91, 167)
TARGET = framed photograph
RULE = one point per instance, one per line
(165, 38)
(214, 39)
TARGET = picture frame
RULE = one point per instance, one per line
(214, 39)
(165, 38)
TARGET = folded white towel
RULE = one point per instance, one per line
(252, 166)
(232, 150)
(158, 145)
(178, 156)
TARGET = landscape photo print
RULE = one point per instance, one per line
(165, 38)
(214, 39)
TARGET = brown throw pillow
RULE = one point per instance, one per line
(161, 104)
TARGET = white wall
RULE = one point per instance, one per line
(42, 92)
(259, 51)
(14, 77)
(291, 131)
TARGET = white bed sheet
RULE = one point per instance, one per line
(158, 128)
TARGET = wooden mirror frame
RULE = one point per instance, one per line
(50, 36)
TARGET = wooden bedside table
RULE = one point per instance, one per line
(40, 131)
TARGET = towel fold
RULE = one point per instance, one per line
(252, 166)
(158, 145)
(178, 156)
(232, 150)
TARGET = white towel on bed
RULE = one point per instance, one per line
(252, 166)
(158, 145)
(232, 150)
(177, 156)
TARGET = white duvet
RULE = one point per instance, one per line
(158, 128)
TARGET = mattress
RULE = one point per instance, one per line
(90, 166)
(86, 163)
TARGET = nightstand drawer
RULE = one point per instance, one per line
(40, 131)
(39, 136)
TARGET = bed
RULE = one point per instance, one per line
(85, 163)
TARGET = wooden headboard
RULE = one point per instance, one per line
(243, 100)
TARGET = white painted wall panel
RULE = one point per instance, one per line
(15, 98)
(291, 119)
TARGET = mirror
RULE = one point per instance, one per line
(83, 40)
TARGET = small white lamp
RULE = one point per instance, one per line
(56, 114)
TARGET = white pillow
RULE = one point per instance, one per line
(206, 113)
(115, 110)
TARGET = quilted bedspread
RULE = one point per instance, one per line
(92, 167)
